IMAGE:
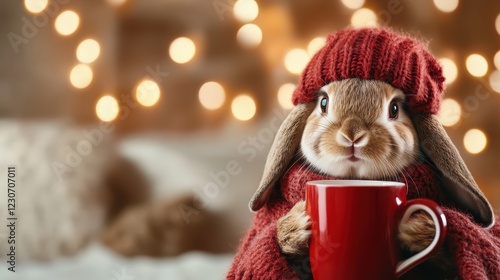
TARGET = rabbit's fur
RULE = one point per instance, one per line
(354, 136)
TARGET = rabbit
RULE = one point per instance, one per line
(343, 139)
(365, 108)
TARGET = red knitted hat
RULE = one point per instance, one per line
(378, 54)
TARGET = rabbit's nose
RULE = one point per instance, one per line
(357, 139)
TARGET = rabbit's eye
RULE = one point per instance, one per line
(324, 104)
(393, 110)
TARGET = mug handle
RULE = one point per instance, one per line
(436, 213)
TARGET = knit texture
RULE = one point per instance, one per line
(377, 54)
(476, 250)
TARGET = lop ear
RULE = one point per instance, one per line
(456, 179)
(285, 145)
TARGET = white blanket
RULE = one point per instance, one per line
(98, 263)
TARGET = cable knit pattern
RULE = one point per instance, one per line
(379, 54)
(476, 250)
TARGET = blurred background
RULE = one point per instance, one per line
(139, 128)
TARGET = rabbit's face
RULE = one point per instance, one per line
(359, 129)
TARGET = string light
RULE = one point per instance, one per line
(364, 18)
(446, 6)
(147, 93)
(296, 60)
(116, 2)
(450, 112)
(67, 23)
(495, 80)
(476, 65)
(496, 60)
(211, 95)
(246, 10)
(315, 45)
(353, 4)
(182, 50)
(475, 141)
(285, 93)
(107, 108)
(35, 6)
(450, 70)
(497, 24)
(81, 76)
(249, 35)
(243, 107)
(88, 51)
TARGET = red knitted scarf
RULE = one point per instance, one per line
(476, 250)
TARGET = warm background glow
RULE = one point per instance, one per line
(296, 60)
(81, 76)
(450, 70)
(182, 50)
(243, 107)
(475, 141)
(364, 18)
(249, 35)
(147, 93)
(476, 65)
(88, 51)
(496, 60)
(450, 112)
(246, 10)
(285, 93)
(67, 23)
(35, 6)
(211, 95)
(107, 108)
(446, 6)
(116, 2)
(495, 80)
(353, 4)
(315, 45)
(497, 24)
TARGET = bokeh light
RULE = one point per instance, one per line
(107, 108)
(446, 6)
(67, 23)
(211, 95)
(81, 76)
(475, 141)
(496, 60)
(450, 70)
(249, 35)
(497, 24)
(88, 51)
(315, 45)
(476, 65)
(364, 18)
(147, 93)
(182, 50)
(246, 10)
(285, 93)
(116, 2)
(243, 107)
(35, 6)
(450, 112)
(296, 60)
(353, 4)
(495, 81)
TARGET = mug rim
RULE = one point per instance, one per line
(355, 183)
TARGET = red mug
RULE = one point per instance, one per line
(354, 226)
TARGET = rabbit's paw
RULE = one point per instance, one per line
(293, 231)
(418, 233)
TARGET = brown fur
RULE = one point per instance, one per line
(293, 231)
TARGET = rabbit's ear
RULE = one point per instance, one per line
(285, 145)
(456, 178)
